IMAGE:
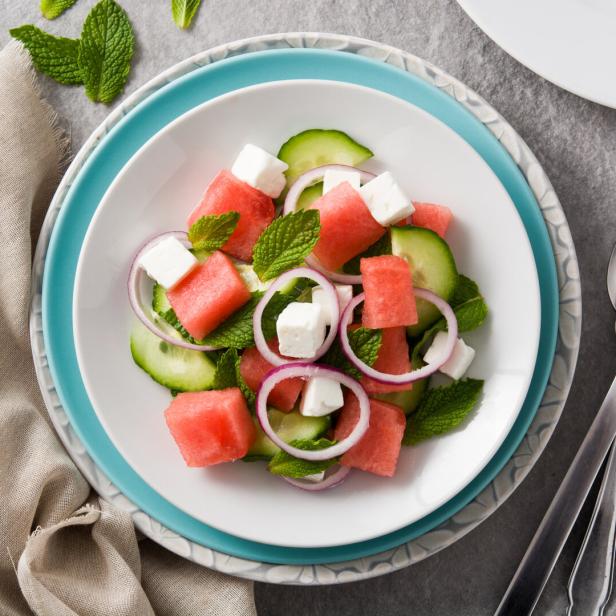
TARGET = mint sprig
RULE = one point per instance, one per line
(183, 12)
(441, 410)
(55, 56)
(54, 8)
(469, 307)
(210, 233)
(100, 59)
(106, 50)
(226, 375)
(289, 466)
(286, 243)
(365, 344)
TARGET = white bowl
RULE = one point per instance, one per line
(156, 191)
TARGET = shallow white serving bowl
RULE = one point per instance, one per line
(156, 191)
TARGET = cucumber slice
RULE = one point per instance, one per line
(409, 400)
(289, 427)
(315, 147)
(309, 196)
(433, 266)
(175, 368)
(160, 303)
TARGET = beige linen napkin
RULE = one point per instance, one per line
(63, 551)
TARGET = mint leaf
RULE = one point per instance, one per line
(470, 310)
(442, 410)
(465, 289)
(237, 332)
(183, 11)
(287, 465)
(365, 344)
(209, 233)
(381, 247)
(225, 375)
(54, 8)
(55, 56)
(106, 50)
(286, 243)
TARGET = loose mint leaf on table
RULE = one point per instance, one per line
(55, 56)
(106, 50)
(288, 466)
(365, 344)
(209, 233)
(441, 410)
(183, 11)
(54, 8)
(381, 247)
(225, 375)
(286, 243)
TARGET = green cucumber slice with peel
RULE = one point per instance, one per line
(173, 367)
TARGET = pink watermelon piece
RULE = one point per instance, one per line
(254, 367)
(378, 450)
(208, 295)
(388, 285)
(432, 216)
(393, 358)
(226, 193)
(211, 427)
(347, 227)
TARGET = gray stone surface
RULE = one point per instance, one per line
(575, 141)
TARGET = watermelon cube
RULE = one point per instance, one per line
(393, 358)
(254, 367)
(347, 226)
(208, 295)
(226, 193)
(211, 427)
(388, 285)
(378, 450)
(432, 216)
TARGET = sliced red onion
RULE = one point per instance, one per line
(413, 375)
(281, 281)
(135, 277)
(290, 203)
(330, 481)
(307, 371)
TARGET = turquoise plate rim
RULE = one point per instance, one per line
(125, 138)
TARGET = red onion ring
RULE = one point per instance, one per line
(135, 277)
(299, 272)
(330, 481)
(413, 375)
(304, 370)
(290, 203)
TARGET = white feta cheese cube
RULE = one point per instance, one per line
(260, 169)
(315, 477)
(321, 396)
(386, 200)
(168, 262)
(331, 179)
(301, 329)
(460, 359)
(319, 296)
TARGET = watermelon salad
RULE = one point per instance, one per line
(301, 316)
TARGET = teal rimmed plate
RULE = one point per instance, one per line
(199, 84)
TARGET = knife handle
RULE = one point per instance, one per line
(533, 572)
(590, 583)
